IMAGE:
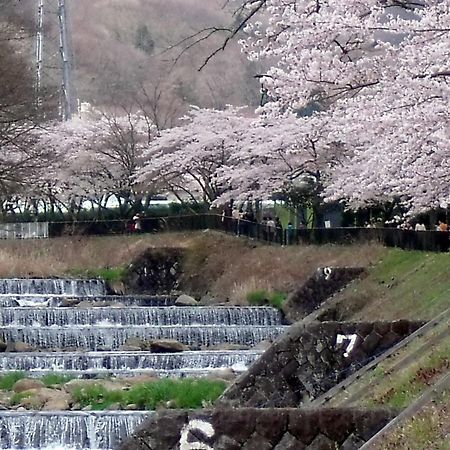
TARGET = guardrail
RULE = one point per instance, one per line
(437, 241)
(24, 230)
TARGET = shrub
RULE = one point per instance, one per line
(109, 274)
(263, 297)
(259, 297)
(53, 379)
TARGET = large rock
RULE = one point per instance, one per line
(167, 346)
(19, 347)
(186, 300)
(136, 343)
(57, 403)
(71, 386)
(25, 384)
(70, 302)
(45, 399)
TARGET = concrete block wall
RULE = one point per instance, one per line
(310, 359)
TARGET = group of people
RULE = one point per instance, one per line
(420, 226)
(244, 222)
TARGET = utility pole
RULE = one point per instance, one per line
(53, 79)
(66, 86)
(39, 51)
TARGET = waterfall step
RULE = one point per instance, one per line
(57, 300)
(90, 364)
(155, 316)
(52, 286)
(35, 430)
(112, 337)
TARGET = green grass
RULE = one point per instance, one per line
(428, 429)
(109, 274)
(19, 396)
(54, 379)
(7, 381)
(403, 285)
(263, 297)
(400, 389)
(186, 393)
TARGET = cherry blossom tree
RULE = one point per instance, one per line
(96, 158)
(281, 155)
(186, 159)
(380, 69)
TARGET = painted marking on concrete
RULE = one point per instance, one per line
(341, 338)
(327, 272)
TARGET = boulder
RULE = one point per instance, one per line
(186, 300)
(136, 343)
(116, 288)
(222, 374)
(19, 347)
(167, 346)
(70, 302)
(132, 407)
(58, 403)
(25, 384)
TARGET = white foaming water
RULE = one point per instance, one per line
(67, 430)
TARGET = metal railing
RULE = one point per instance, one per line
(391, 237)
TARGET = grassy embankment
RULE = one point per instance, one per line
(405, 285)
(223, 266)
(400, 284)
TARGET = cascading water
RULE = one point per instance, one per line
(85, 341)
(113, 336)
(67, 430)
(131, 316)
(56, 286)
(49, 300)
(97, 363)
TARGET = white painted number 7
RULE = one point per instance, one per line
(340, 338)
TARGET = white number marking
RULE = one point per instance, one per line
(340, 338)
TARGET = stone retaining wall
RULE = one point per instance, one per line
(155, 271)
(259, 429)
(325, 282)
(310, 359)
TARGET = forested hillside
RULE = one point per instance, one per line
(120, 50)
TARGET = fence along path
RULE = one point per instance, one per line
(390, 237)
(437, 241)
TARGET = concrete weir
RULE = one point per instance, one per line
(72, 327)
